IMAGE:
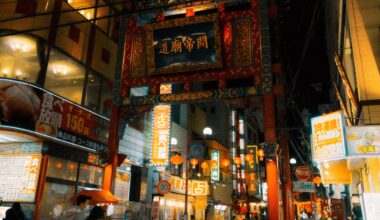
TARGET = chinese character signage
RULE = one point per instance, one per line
(183, 45)
(363, 140)
(299, 186)
(29, 107)
(215, 169)
(196, 187)
(252, 177)
(161, 131)
(19, 171)
(328, 136)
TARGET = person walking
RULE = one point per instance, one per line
(97, 213)
(79, 210)
(15, 213)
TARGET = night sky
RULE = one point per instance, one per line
(306, 63)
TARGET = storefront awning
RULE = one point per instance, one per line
(98, 196)
(335, 172)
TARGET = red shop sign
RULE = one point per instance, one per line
(303, 173)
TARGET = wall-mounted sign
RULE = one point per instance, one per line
(303, 173)
(251, 178)
(363, 140)
(328, 137)
(371, 205)
(195, 187)
(299, 186)
(163, 187)
(18, 177)
(215, 169)
(27, 106)
(161, 131)
(183, 45)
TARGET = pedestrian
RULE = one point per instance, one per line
(15, 213)
(78, 211)
(97, 213)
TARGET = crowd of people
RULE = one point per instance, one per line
(79, 211)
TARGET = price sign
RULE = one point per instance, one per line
(163, 187)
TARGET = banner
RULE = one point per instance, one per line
(299, 186)
(328, 137)
(363, 140)
(29, 107)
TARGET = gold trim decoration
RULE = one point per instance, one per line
(242, 43)
(152, 70)
(138, 56)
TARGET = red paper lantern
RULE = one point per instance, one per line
(214, 163)
(225, 163)
(237, 160)
(176, 160)
(249, 158)
(204, 165)
(194, 162)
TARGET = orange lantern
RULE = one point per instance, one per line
(225, 163)
(237, 161)
(214, 163)
(317, 180)
(59, 165)
(194, 162)
(260, 153)
(176, 160)
(204, 165)
(249, 158)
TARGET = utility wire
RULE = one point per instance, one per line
(316, 14)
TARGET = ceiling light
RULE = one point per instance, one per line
(18, 73)
(19, 46)
(60, 70)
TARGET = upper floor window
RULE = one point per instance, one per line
(18, 58)
(65, 76)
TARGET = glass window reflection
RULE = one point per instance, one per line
(65, 76)
(18, 58)
(93, 92)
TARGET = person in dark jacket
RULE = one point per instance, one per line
(97, 213)
(15, 213)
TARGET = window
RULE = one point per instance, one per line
(19, 59)
(90, 174)
(103, 12)
(65, 76)
(26, 7)
(93, 92)
(56, 198)
(62, 169)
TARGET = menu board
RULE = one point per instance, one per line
(18, 177)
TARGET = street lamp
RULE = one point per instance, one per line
(207, 131)
(173, 141)
(293, 161)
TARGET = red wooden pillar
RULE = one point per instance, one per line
(271, 165)
(113, 146)
(40, 186)
(288, 193)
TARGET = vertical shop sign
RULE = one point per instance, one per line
(215, 169)
(328, 136)
(161, 131)
(252, 170)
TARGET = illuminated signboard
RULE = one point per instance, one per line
(19, 171)
(215, 169)
(251, 179)
(161, 131)
(195, 187)
(363, 140)
(183, 45)
(300, 186)
(38, 110)
(328, 136)
(18, 177)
